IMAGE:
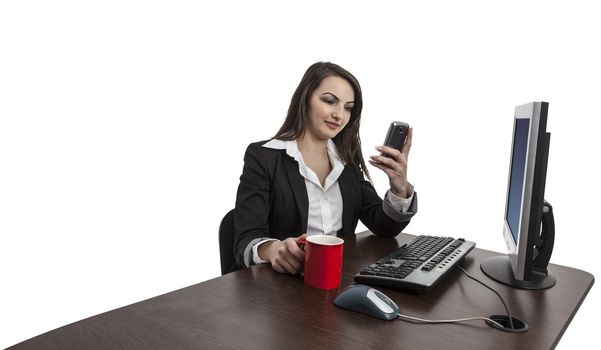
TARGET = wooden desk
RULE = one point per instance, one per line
(257, 308)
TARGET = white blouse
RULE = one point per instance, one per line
(325, 202)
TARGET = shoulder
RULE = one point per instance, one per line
(259, 149)
(264, 156)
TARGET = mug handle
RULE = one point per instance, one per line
(301, 243)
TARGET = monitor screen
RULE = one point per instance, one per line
(517, 176)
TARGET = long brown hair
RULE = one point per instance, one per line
(347, 141)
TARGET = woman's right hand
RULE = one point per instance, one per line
(285, 256)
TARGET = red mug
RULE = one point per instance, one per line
(323, 261)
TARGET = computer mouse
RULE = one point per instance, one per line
(367, 300)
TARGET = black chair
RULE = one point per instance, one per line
(226, 244)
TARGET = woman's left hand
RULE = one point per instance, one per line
(395, 166)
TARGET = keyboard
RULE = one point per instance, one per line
(418, 265)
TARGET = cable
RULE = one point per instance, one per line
(494, 291)
(411, 318)
(500, 326)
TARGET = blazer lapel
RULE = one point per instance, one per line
(299, 189)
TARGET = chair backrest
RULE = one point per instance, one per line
(226, 243)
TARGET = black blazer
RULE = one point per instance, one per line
(272, 201)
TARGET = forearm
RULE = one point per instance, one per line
(387, 217)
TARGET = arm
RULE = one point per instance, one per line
(252, 229)
(252, 205)
(395, 166)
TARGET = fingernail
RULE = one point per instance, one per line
(379, 148)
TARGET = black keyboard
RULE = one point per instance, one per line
(417, 265)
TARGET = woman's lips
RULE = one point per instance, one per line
(332, 125)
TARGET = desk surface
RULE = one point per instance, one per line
(257, 308)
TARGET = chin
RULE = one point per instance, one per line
(331, 135)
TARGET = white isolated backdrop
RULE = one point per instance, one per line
(123, 125)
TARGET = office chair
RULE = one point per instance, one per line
(226, 244)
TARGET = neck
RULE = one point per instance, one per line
(310, 145)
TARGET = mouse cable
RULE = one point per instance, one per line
(411, 318)
(494, 291)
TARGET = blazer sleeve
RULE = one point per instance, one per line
(251, 221)
(378, 215)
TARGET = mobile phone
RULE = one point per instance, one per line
(396, 136)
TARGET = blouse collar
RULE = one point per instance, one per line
(292, 150)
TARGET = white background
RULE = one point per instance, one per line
(123, 125)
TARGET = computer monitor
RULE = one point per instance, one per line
(529, 229)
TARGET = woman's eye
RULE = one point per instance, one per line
(349, 108)
(328, 101)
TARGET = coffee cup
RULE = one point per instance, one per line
(323, 261)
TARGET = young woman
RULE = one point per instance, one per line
(310, 178)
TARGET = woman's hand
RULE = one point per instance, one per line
(285, 256)
(395, 166)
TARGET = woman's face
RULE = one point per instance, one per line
(330, 107)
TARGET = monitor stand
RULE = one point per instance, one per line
(499, 267)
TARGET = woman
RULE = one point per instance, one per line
(310, 178)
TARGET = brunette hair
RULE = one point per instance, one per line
(347, 141)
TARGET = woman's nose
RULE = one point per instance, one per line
(337, 113)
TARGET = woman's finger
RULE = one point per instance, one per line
(284, 266)
(393, 153)
(390, 172)
(407, 146)
(294, 249)
(390, 163)
(383, 160)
